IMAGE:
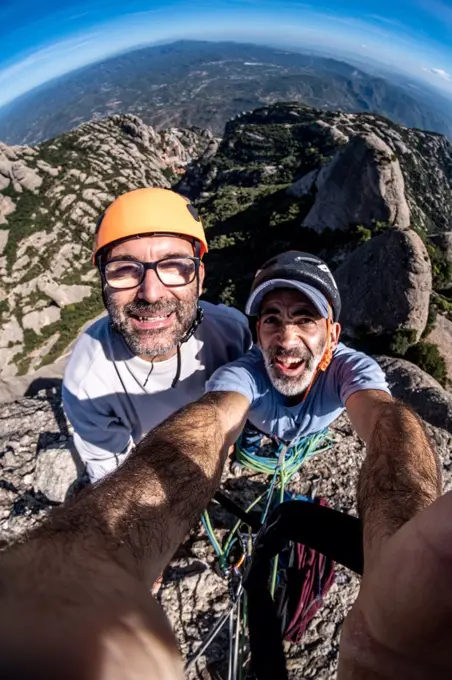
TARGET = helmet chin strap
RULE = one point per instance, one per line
(327, 355)
(197, 320)
(194, 325)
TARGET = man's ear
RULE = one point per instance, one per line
(335, 333)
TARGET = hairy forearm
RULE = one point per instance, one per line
(80, 581)
(142, 511)
(400, 475)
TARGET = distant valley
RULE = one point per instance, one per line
(205, 84)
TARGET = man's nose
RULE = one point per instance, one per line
(151, 288)
(288, 336)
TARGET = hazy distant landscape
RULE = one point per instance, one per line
(191, 83)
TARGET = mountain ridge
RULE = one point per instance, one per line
(206, 83)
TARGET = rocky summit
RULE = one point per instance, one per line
(374, 199)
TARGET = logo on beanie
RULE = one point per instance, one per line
(325, 269)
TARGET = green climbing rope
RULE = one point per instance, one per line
(282, 464)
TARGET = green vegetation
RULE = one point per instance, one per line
(361, 234)
(427, 357)
(443, 304)
(441, 267)
(31, 341)
(4, 307)
(401, 341)
(25, 220)
(245, 226)
(396, 343)
(364, 234)
(251, 143)
(72, 318)
(431, 320)
(169, 174)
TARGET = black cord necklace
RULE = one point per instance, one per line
(149, 375)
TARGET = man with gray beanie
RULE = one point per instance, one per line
(298, 379)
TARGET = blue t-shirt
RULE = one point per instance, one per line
(348, 372)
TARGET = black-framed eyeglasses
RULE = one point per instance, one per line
(171, 271)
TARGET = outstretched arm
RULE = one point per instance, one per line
(74, 598)
(397, 627)
(401, 473)
(401, 624)
(149, 504)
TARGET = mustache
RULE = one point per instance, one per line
(300, 352)
(137, 307)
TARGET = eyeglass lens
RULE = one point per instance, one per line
(171, 272)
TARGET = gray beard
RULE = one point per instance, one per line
(291, 387)
(155, 342)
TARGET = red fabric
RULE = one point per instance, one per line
(308, 581)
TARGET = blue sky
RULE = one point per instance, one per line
(42, 40)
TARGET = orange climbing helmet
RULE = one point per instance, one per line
(148, 211)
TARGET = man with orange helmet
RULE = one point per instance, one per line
(151, 355)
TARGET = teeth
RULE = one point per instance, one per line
(151, 318)
(289, 361)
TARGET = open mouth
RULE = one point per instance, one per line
(290, 366)
(147, 322)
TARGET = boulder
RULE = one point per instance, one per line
(6, 208)
(304, 185)
(332, 133)
(362, 184)
(441, 336)
(45, 377)
(27, 177)
(385, 285)
(419, 390)
(62, 294)
(21, 263)
(67, 200)
(44, 317)
(50, 170)
(8, 368)
(57, 469)
(11, 333)
(36, 241)
(4, 233)
(8, 152)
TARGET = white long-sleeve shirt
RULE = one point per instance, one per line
(113, 398)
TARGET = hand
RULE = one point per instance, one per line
(401, 623)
